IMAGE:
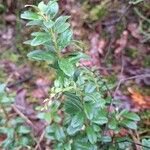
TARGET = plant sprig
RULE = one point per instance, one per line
(76, 92)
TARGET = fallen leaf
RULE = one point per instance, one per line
(38, 93)
(101, 46)
(42, 87)
(95, 59)
(10, 18)
(133, 28)
(122, 42)
(140, 100)
(23, 106)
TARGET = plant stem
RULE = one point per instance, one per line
(54, 40)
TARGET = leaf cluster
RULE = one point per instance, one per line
(15, 134)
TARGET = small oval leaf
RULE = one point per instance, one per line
(41, 55)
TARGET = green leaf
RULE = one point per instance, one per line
(45, 116)
(65, 39)
(100, 120)
(57, 118)
(100, 117)
(39, 40)
(73, 130)
(66, 67)
(55, 105)
(59, 133)
(28, 42)
(130, 115)
(61, 20)
(89, 110)
(90, 88)
(24, 130)
(52, 8)
(41, 55)
(59, 146)
(129, 124)
(91, 135)
(74, 57)
(106, 139)
(49, 24)
(42, 6)
(76, 124)
(30, 15)
(96, 128)
(146, 142)
(112, 124)
(6, 99)
(76, 75)
(2, 88)
(17, 121)
(83, 144)
(6, 143)
(39, 34)
(124, 145)
(92, 97)
(50, 129)
(67, 146)
(24, 141)
(34, 23)
(72, 104)
(61, 25)
(77, 120)
(63, 28)
(50, 132)
(135, 2)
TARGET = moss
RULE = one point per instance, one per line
(3, 76)
(104, 35)
(2, 8)
(109, 61)
(132, 53)
(11, 56)
(112, 79)
(146, 61)
(146, 5)
(120, 28)
(98, 12)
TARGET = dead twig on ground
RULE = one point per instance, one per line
(121, 74)
(40, 140)
(130, 78)
(136, 140)
(28, 121)
(22, 115)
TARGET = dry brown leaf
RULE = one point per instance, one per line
(38, 93)
(122, 42)
(101, 46)
(140, 100)
(10, 18)
(133, 28)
